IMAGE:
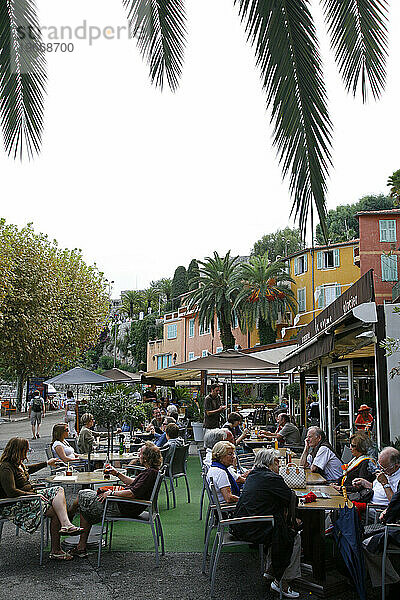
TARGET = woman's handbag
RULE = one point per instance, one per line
(293, 475)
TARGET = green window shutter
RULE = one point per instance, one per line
(319, 260)
(338, 290)
(336, 257)
(383, 231)
(321, 297)
(389, 268)
(391, 231)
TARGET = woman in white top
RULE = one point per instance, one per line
(60, 447)
(70, 414)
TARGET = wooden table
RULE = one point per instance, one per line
(318, 576)
(85, 478)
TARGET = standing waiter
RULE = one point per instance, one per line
(213, 408)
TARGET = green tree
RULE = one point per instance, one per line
(280, 243)
(163, 290)
(179, 286)
(342, 223)
(192, 273)
(264, 294)
(394, 184)
(141, 332)
(54, 306)
(132, 303)
(286, 47)
(215, 294)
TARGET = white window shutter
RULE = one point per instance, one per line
(305, 263)
(383, 231)
(391, 231)
(336, 257)
(319, 260)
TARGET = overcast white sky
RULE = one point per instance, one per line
(143, 181)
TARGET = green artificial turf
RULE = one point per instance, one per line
(183, 530)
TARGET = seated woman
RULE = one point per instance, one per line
(360, 466)
(60, 447)
(265, 493)
(233, 424)
(225, 480)
(90, 504)
(14, 483)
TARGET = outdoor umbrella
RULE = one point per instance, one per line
(120, 376)
(347, 534)
(227, 360)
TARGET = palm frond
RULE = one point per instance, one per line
(287, 53)
(159, 27)
(22, 78)
(358, 31)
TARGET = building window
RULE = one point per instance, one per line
(218, 324)
(326, 294)
(219, 349)
(191, 327)
(387, 231)
(191, 355)
(300, 264)
(159, 362)
(203, 330)
(172, 331)
(328, 259)
(389, 267)
(301, 300)
(204, 353)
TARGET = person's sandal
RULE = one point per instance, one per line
(78, 552)
(63, 556)
(71, 530)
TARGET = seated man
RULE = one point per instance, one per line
(319, 456)
(373, 548)
(233, 425)
(266, 493)
(173, 441)
(161, 439)
(286, 433)
(156, 422)
(387, 480)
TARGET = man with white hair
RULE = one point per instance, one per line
(387, 481)
(319, 456)
(266, 493)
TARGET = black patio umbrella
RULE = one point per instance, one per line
(347, 535)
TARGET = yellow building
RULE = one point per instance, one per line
(320, 275)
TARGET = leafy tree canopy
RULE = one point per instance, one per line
(53, 306)
(394, 184)
(179, 285)
(280, 243)
(342, 224)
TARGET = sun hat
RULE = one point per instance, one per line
(364, 407)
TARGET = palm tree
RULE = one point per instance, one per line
(286, 46)
(132, 303)
(263, 295)
(216, 294)
(394, 183)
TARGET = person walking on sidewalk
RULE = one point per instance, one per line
(36, 410)
(70, 414)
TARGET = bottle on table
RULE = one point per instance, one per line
(68, 471)
(276, 445)
(107, 467)
(121, 444)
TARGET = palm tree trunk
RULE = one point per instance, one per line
(226, 335)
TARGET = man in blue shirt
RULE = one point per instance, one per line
(161, 438)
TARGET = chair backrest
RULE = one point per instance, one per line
(202, 454)
(215, 500)
(346, 455)
(183, 433)
(49, 452)
(178, 460)
(157, 487)
(73, 443)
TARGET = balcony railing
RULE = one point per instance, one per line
(396, 291)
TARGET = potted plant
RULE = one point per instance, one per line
(195, 411)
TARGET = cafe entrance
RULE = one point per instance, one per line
(340, 404)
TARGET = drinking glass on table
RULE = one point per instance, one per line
(107, 470)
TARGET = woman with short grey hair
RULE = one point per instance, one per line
(211, 437)
(265, 458)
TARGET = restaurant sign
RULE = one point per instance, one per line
(361, 291)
